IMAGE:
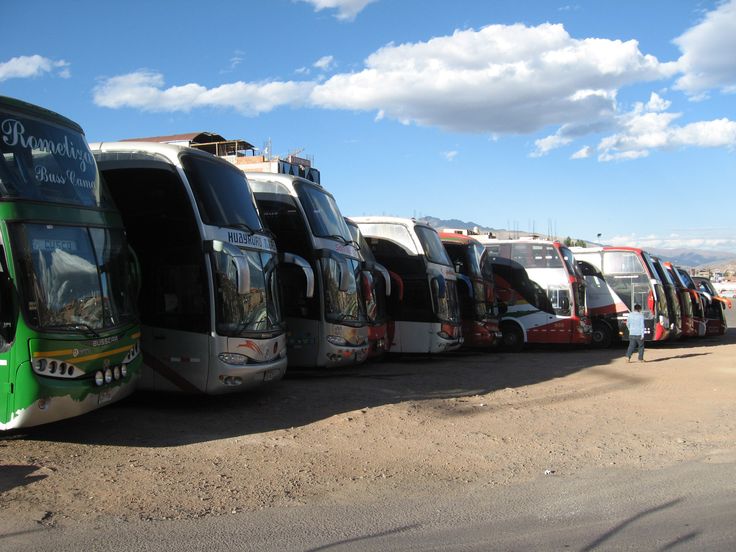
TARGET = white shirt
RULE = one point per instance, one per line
(635, 323)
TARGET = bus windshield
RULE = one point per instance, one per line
(322, 213)
(222, 193)
(74, 277)
(42, 161)
(342, 306)
(257, 310)
(628, 277)
(533, 255)
(432, 245)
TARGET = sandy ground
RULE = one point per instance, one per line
(416, 426)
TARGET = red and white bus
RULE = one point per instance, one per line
(631, 279)
(551, 268)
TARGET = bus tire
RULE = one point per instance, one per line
(602, 337)
(512, 337)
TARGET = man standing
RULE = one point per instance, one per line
(635, 323)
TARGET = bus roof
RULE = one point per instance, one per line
(13, 104)
(409, 222)
(169, 151)
(284, 183)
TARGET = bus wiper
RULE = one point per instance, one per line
(75, 326)
(240, 226)
(338, 237)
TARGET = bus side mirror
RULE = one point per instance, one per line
(243, 274)
(468, 283)
(386, 277)
(344, 275)
(291, 258)
(503, 308)
(242, 271)
(439, 281)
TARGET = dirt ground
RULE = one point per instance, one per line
(415, 426)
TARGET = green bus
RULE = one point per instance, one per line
(69, 330)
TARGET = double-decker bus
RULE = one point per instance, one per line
(427, 318)
(552, 268)
(325, 313)
(631, 276)
(376, 282)
(479, 309)
(69, 331)
(210, 300)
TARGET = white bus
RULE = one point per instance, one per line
(551, 268)
(325, 314)
(427, 318)
(209, 302)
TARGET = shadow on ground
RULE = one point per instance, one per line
(155, 420)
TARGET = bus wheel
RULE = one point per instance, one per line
(602, 337)
(512, 337)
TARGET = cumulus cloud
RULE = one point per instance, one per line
(647, 128)
(347, 10)
(450, 155)
(499, 79)
(145, 90)
(23, 67)
(708, 60)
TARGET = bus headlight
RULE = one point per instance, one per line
(99, 378)
(108, 375)
(124, 370)
(55, 369)
(116, 373)
(235, 359)
(337, 340)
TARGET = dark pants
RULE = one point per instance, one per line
(636, 343)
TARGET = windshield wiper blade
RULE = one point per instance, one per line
(75, 326)
(240, 226)
(338, 237)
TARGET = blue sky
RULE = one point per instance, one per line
(611, 117)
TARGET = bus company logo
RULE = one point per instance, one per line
(260, 242)
(104, 341)
(106, 363)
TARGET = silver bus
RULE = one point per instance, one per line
(210, 299)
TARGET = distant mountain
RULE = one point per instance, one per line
(453, 223)
(690, 258)
(694, 257)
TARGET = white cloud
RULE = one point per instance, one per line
(708, 60)
(325, 63)
(703, 238)
(499, 79)
(645, 129)
(23, 67)
(347, 10)
(145, 90)
(450, 155)
(582, 153)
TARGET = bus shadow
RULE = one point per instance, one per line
(307, 396)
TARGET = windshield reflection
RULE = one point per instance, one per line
(74, 276)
